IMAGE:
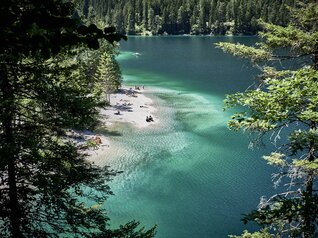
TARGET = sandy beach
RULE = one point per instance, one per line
(128, 105)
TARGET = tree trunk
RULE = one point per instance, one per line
(308, 216)
(309, 219)
(15, 217)
(9, 150)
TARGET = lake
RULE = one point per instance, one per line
(191, 175)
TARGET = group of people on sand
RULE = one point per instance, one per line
(138, 87)
(131, 93)
(149, 119)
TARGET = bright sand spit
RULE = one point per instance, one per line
(128, 105)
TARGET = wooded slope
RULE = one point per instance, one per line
(186, 16)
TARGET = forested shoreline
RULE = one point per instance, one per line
(58, 68)
(162, 17)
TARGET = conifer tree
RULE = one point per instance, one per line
(131, 19)
(151, 19)
(285, 105)
(108, 74)
(43, 94)
(145, 14)
(202, 16)
(221, 15)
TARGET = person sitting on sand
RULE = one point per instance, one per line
(150, 118)
(147, 119)
(97, 140)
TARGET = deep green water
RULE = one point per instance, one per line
(189, 175)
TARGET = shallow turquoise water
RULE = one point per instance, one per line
(189, 175)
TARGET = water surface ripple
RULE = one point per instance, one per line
(189, 175)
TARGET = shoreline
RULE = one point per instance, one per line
(129, 105)
(190, 35)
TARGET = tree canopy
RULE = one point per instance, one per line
(284, 104)
(187, 16)
(45, 92)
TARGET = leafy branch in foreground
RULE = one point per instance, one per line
(259, 234)
(284, 104)
(44, 91)
(243, 51)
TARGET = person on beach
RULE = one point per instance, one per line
(150, 118)
(147, 119)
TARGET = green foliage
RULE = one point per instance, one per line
(285, 104)
(294, 98)
(289, 37)
(258, 234)
(189, 16)
(108, 73)
(302, 139)
(243, 51)
(45, 89)
(276, 159)
(129, 230)
(45, 29)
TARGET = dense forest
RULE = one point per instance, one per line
(55, 74)
(155, 17)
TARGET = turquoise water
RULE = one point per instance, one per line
(189, 175)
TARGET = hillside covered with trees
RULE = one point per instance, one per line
(218, 17)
